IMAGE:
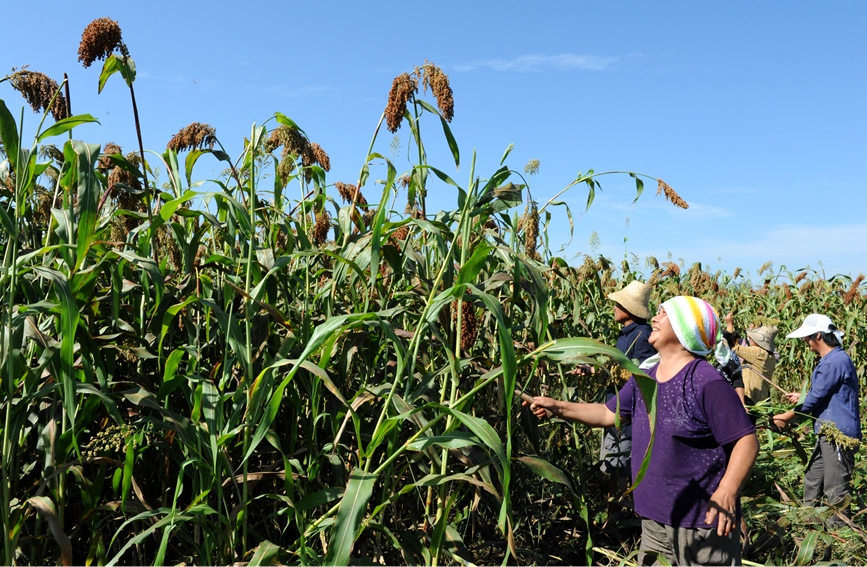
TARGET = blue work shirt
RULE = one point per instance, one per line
(632, 341)
(833, 394)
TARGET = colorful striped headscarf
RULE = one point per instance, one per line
(697, 327)
(695, 323)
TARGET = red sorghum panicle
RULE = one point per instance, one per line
(402, 89)
(100, 38)
(671, 269)
(401, 233)
(194, 136)
(38, 89)
(853, 290)
(105, 164)
(438, 82)
(350, 192)
(320, 156)
(670, 194)
(320, 229)
(469, 323)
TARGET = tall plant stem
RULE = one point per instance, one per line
(144, 170)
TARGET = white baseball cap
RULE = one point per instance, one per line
(815, 323)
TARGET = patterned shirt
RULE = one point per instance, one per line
(698, 415)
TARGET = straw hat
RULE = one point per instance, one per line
(634, 298)
(764, 336)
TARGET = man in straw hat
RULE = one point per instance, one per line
(631, 311)
(704, 444)
(832, 400)
(757, 358)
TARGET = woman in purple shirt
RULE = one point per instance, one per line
(704, 444)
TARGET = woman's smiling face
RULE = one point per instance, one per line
(662, 332)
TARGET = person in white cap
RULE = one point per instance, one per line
(833, 400)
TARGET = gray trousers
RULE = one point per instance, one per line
(688, 546)
(829, 475)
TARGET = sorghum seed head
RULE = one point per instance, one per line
(52, 152)
(350, 192)
(290, 138)
(110, 149)
(469, 323)
(401, 233)
(38, 89)
(368, 217)
(853, 290)
(402, 89)
(671, 269)
(320, 156)
(439, 85)
(100, 38)
(285, 169)
(530, 225)
(193, 136)
(670, 194)
(320, 229)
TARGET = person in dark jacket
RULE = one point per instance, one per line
(631, 312)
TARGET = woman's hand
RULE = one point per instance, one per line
(542, 406)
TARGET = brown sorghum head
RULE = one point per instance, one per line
(193, 136)
(402, 89)
(671, 269)
(38, 90)
(290, 138)
(530, 224)
(320, 229)
(110, 149)
(853, 290)
(320, 156)
(368, 217)
(439, 85)
(52, 152)
(469, 323)
(100, 38)
(350, 192)
(670, 194)
(401, 233)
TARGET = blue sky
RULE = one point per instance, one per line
(754, 112)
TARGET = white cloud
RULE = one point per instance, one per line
(536, 63)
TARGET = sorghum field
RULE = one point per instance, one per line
(275, 367)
